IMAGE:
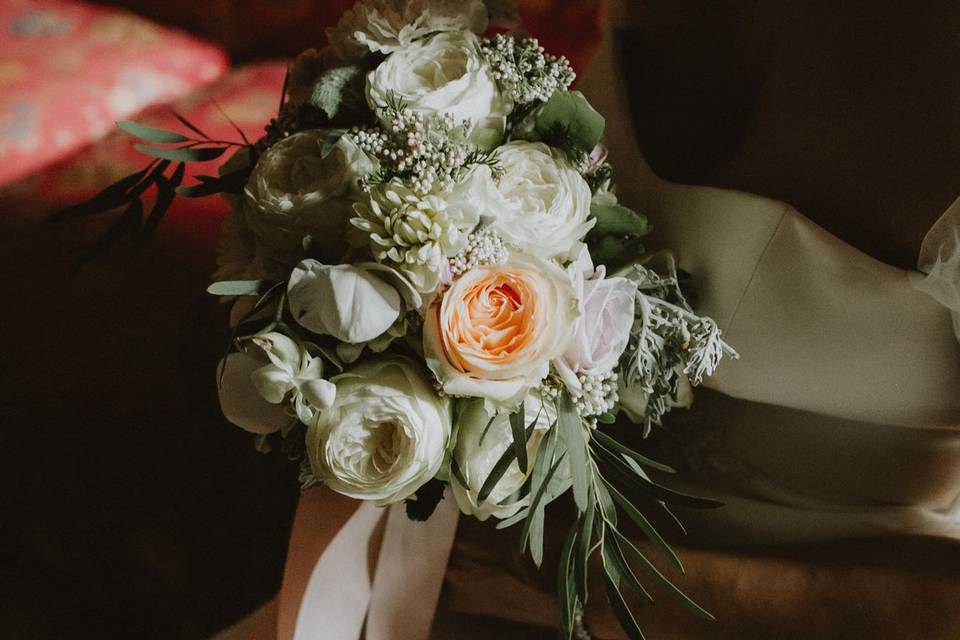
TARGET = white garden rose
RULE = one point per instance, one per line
(352, 303)
(305, 184)
(259, 385)
(479, 448)
(494, 332)
(544, 204)
(385, 435)
(444, 74)
(389, 25)
(602, 332)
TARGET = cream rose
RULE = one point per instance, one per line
(477, 452)
(444, 74)
(385, 435)
(304, 185)
(495, 330)
(544, 203)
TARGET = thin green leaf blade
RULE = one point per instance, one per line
(571, 431)
(517, 427)
(662, 580)
(151, 134)
(182, 154)
(240, 287)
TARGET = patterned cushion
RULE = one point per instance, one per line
(68, 70)
(248, 97)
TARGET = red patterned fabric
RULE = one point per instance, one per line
(68, 70)
(249, 96)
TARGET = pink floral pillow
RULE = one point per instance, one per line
(68, 70)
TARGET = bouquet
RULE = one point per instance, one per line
(433, 283)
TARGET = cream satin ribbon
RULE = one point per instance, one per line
(380, 569)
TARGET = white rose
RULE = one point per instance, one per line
(304, 185)
(260, 385)
(476, 457)
(352, 303)
(544, 204)
(602, 333)
(495, 330)
(389, 25)
(385, 435)
(444, 74)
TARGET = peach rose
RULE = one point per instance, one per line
(493, 333)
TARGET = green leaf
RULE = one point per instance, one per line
(611, 580)
(572, 433)
(190, 125)
(610, 443)
(487, 428)
(518, 427)
(616, 220)
(182, 154)
(151, 134)
(109, 198)
(458, 474)
(566, 592)
(662, 580)
(644, 485)
(339, 90)
(166, 192)
(500, 468)
(613, 555)
(584, 542)
(648, 529)
(571, 112)
(240, 287)
(533, 525)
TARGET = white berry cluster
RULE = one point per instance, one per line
(524, 71)
(428, 152)
(598, 396)
(483, 247)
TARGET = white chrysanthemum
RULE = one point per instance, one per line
(388, 25)
(417, 233)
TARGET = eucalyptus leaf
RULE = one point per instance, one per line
(584, 542)
(151, 134)
(570, 426)
(240, 287)
(612, 554)
(611, 580)
(566, 592)
(570, 112)
(182, 154)
(612, 444)
(648, 529)
(661, 579)
(517, 427)
(616, 220)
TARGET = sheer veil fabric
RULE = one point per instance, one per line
(841, 419)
